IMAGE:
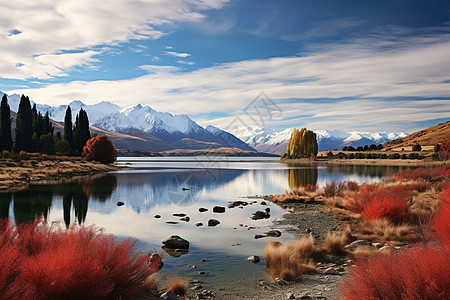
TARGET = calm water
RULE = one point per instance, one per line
(154, 186)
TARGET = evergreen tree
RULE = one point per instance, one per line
(24, 126)
(5, 125)
(68, 134)
(48, 125)
(81, 131)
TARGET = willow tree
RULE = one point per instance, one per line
(302, 144)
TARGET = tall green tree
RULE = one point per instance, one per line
(24, 126)
(81, 133)
(302, 144)
(68, 133)
(5, 125)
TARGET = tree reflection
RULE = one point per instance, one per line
(36, 201)
(301, 177)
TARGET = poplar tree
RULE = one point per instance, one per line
(5, 125)
(302, 144)
(68, 134)
(24, 126)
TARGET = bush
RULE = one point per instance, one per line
(360, 148)
(80, 263)
(289, 260)
(441, 220)
(380, 147)
(416, 147)
(62, 147)
(394, 156)
(100, 149)
(415, 274)
(351, 156)
(437, 148)
(413, 156)
(373, 147)
(374, 202)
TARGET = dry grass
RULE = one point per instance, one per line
(289, 260)
(362, 252)
(178, 286)
(334, 243)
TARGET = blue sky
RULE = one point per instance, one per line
(347, 65)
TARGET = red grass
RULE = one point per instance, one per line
(437, 174)
(420, 273)
(389, 207)
(441, 220)
(359, 198)
(375, 202)
(47, 262)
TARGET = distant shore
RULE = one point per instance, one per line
(19, 174)
(371, 162)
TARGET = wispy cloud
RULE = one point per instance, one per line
(178, 54)
(360, 84)
(30, 32)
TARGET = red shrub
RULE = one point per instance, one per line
(445, 146)
(46, 262)
(420, 273)
(360, 197)
(441, 220)
(99, 148)
(389, 207)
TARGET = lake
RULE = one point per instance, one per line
(164, 186)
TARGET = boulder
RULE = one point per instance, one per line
(213, 222)
(202, 209)
(273, 233)
(120, 203)
(218, 209)
(254, 259)
(237, 203)
(353, 245)
(176, 242)
(259, 215)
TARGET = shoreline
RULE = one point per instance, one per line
(370, 162)
(18, 175)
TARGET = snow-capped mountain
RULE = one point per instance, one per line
(57, 113)
(179, 129)
(271, 141)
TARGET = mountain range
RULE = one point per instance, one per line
(272, 141)
(141, 128)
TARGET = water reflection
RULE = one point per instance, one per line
(37, 200)
(298, 177)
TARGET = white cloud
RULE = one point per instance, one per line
(178, 54)
(375, 74)
(32, 31)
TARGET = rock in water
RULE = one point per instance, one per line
(202, 209)
(213, 222)
(273, 233)
(176, 242)
(120, 203)
(254, 259)
(218, 209)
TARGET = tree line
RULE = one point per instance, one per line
(35, 132)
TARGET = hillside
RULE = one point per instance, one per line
(425, 137)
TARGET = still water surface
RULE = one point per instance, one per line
(153, 186)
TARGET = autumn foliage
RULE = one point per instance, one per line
(441, 220)
(101, 149)
(418, 273)
(41, 261)
(375, 202)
